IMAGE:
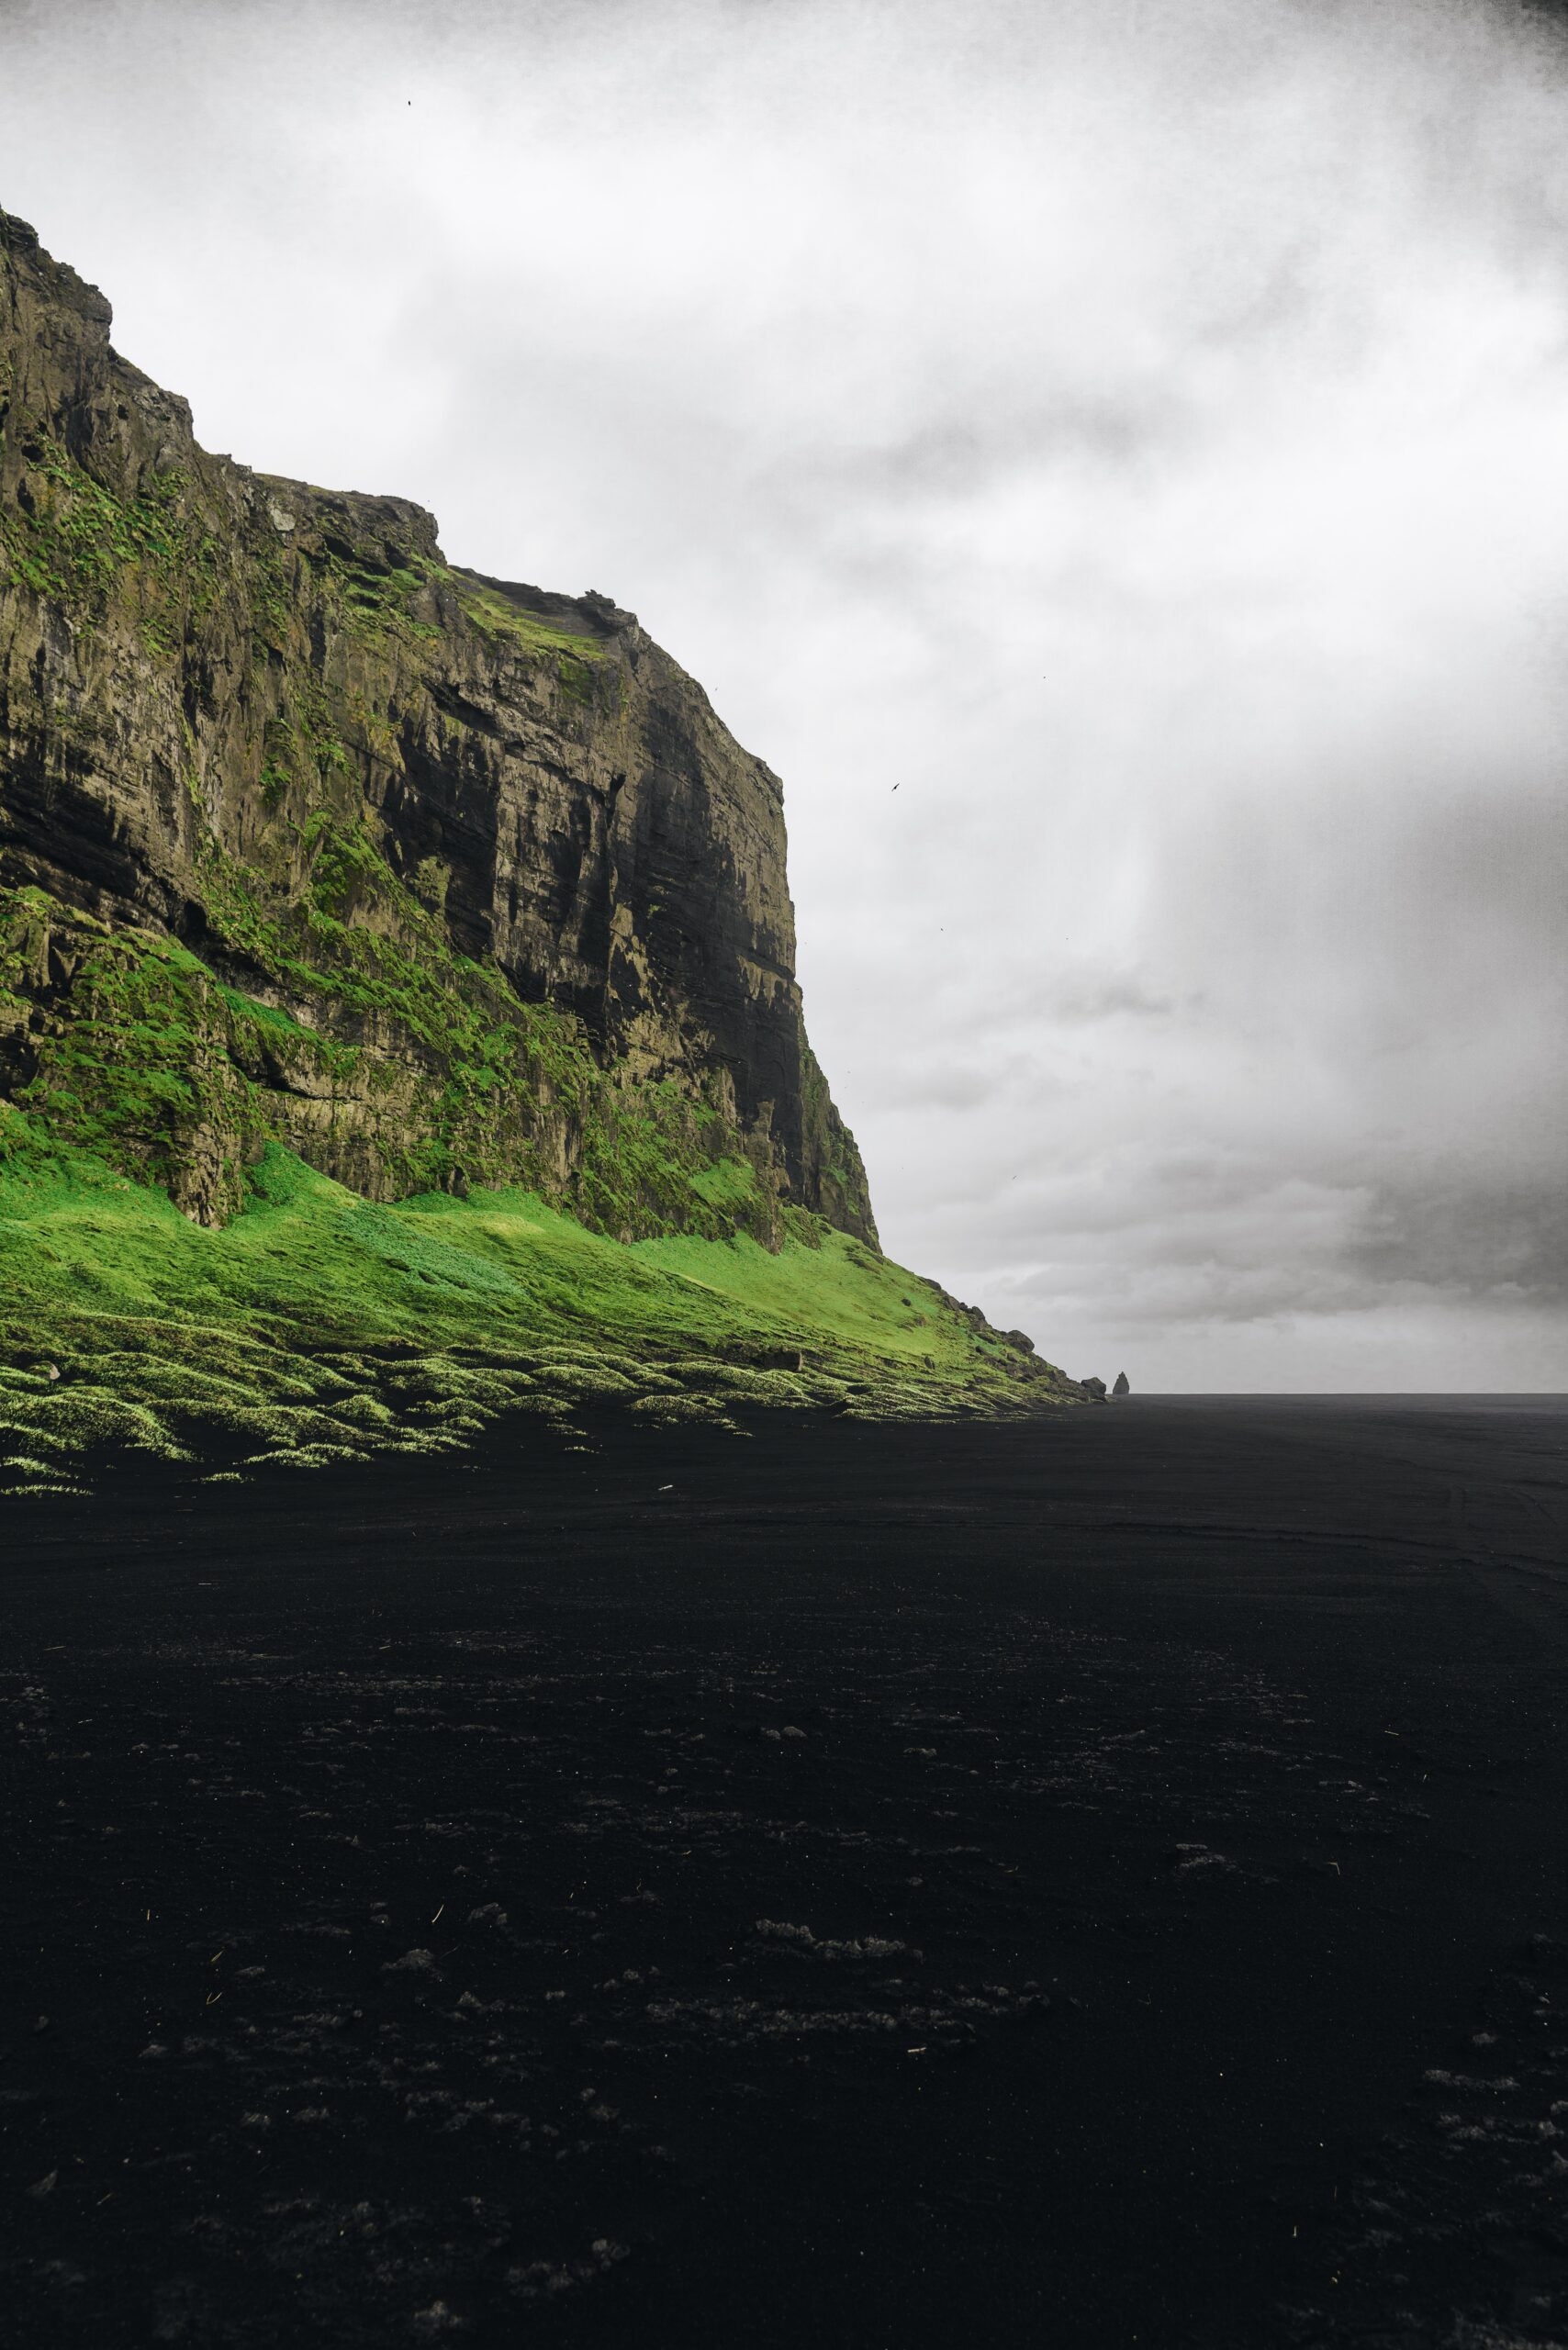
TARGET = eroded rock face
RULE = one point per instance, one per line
(306, 834)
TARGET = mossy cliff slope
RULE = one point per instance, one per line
(479, 845)
(318, 852)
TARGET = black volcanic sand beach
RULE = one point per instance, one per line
(1098, 1882)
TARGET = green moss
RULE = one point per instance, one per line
(71, 539)
(576, 657)
(726, 1183)
(380, 600)
(317, 1325)
(495, 614)
(829, 1282)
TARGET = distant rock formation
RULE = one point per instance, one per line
(1123, 1385)
(1094, 1389)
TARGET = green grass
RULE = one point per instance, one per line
(320, 1327)
(833, 1289)
(497, 615)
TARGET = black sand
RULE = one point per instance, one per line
(1097, 1884)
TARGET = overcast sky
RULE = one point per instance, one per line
(1137, 429)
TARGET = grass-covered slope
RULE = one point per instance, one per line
(317, 1325)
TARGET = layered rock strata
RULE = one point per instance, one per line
(308, 835)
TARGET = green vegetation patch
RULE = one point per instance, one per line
(495, 614)
(574, 651)
(319, 1326)
(72, 540)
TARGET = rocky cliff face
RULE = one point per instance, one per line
(308, 835)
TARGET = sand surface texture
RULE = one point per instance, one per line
(1092, 1882)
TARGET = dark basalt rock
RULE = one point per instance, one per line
(1122, 1387)
(1095, 1388)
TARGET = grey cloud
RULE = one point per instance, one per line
(928, 1084)
(1479, 1241)
(955, 454)
(1112, 998)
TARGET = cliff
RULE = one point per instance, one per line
(487, 850)
(317, 850)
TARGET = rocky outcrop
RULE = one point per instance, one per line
(308, 834)
(1122, 1386)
